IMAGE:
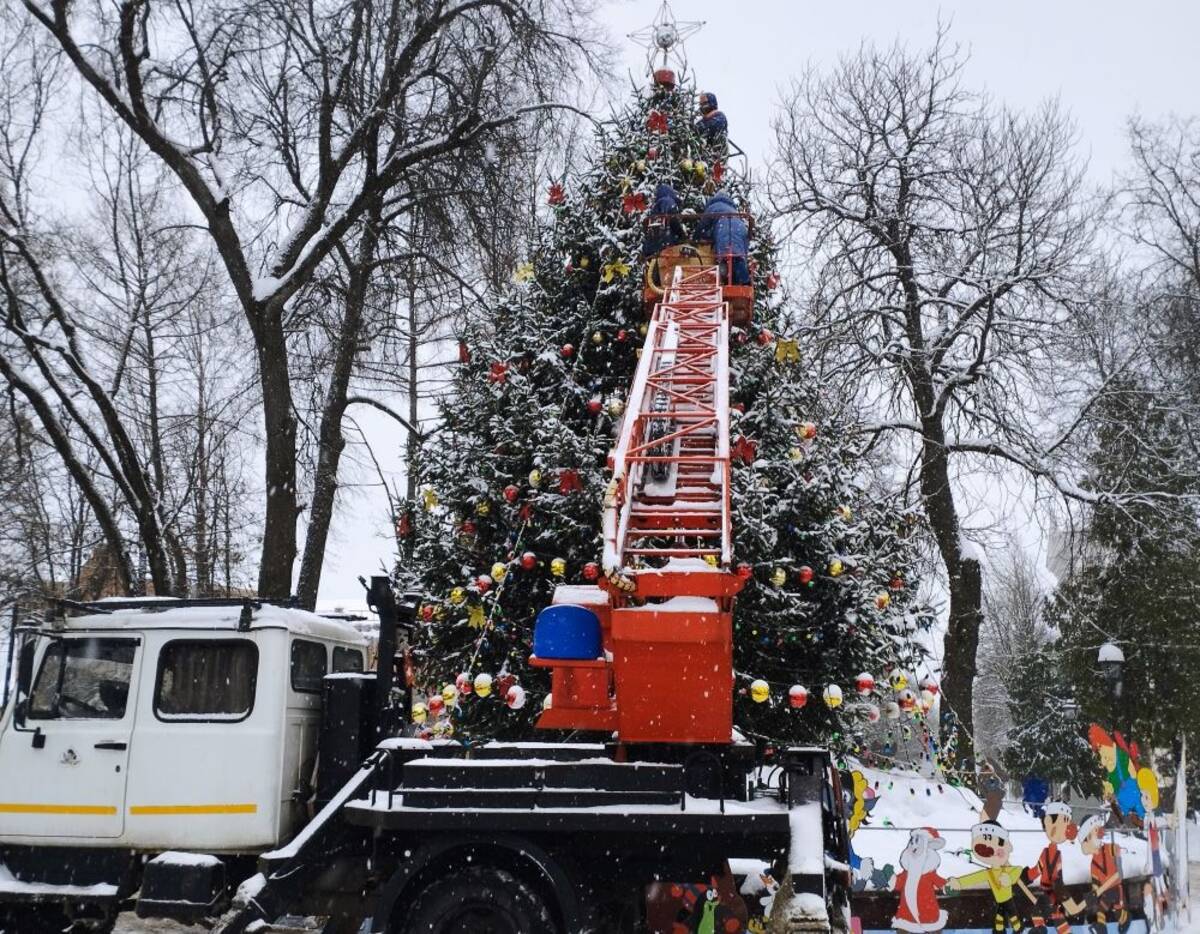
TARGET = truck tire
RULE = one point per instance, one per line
(479, 900)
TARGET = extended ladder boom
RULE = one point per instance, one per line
(667, 523)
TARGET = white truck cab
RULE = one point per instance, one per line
(153, 726)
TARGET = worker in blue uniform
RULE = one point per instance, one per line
(723, 226)
(664, 228)
(712, 125)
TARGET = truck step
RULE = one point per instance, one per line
(517, 774)
(528, 798)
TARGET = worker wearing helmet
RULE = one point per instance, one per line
(664, 228)
(712, 125)
(724, 227)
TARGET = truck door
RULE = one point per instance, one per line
(63, 766)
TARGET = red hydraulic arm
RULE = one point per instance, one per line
(666, 601)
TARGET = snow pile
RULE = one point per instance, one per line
(11, 885)
(906, 801)
(179, 858)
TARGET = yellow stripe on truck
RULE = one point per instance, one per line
(102, 810)
(161, 809)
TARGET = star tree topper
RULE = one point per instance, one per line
(665, 36)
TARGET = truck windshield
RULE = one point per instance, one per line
(83, 679)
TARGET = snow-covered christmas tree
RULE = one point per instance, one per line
(511, 487)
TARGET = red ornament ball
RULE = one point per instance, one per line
(745, 571)
(591, 571)
(765, 337)
(427, 613)
(468, 527)
(498, 373)
(773, 280)
(797, 696)
(504, 682)
(622, 335)
(557, 195)
(805, 574)
(568, 351)
(897, 583)
(652, 153)
(594, 405)
(928, 684)
(465, 683)
(529, 561)
(436, 705)
(483, 583)
(865, 683)
(511, 492)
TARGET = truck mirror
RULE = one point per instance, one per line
(24, 680)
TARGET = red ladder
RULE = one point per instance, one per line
(667, 523)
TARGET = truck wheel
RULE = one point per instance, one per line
(480, 900)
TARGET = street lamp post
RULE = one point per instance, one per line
(1111, 660)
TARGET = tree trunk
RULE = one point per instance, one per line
(330, 439)
(279, 423)
(964, 583)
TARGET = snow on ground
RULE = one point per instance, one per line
(906, 801)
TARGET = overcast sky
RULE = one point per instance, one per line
(1104, 60)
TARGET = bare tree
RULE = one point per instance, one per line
(948, 237)
(288, 125)
(1012, 601)
(1160, 196)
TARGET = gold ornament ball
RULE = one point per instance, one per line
(759, 690)
(832, 696)
(584, 262)
(710, 560)
(499, 571)
(457, 595)
(419, 713)
(795, 455)
(882, 599)
(483, 508)
(845, 513)
(483, 685)
(642, 329)
(558, 567)
(615, 407)
(836, 567)
(779, 577)
(597, 337)
(899, 681)
(535, 478)
(700, 169)
(687, 166)
(449, 694)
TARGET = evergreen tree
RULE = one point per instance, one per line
(1048, 738)
(1136, 581)
(511, 487)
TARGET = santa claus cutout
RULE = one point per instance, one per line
(918, 882)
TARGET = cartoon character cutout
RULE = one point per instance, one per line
(918, 882)
(991, 846)
(1107, 891)
(860, 801)
(1119, 760)
(1054, 905)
